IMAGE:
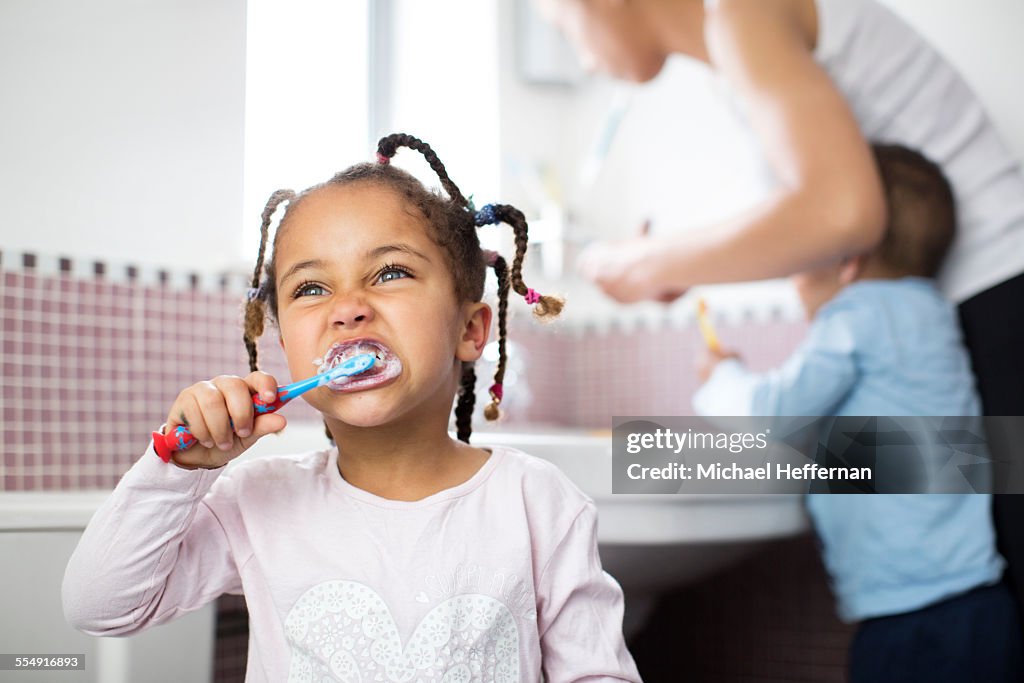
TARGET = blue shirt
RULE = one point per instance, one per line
(879, 347)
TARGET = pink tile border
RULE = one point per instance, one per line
(122, 352)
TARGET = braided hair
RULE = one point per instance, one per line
(453, 224)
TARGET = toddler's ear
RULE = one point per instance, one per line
(851, 269)
(475, 331)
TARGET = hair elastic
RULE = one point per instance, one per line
(486, 216)
(490, 257)
(254, 293)
(531, 296)
(496, 392)
(381, 159)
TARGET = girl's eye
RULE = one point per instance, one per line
(388, 273)
(308, 289)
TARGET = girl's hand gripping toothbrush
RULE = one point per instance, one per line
(181, 438)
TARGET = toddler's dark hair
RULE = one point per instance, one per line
(453, 224)
(922, 211)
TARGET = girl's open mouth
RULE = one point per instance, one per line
(385, 368)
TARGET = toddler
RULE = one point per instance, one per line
(919, 572)
(399, 553)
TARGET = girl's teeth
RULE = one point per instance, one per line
(358, 350)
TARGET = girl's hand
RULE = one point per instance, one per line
(210, 408)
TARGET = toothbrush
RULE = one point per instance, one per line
(706, 329)
(181, 438)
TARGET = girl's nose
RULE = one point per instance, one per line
(351, 311)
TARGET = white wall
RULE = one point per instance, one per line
(121, 130)
(982, 39)
(536, 120)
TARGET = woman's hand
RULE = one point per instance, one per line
(629, 270)
(220, 415)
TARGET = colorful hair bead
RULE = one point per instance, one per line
(486, 216)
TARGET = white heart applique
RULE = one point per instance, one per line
(343, 631)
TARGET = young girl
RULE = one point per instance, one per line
(399, 554)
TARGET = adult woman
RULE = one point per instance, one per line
(818, 79)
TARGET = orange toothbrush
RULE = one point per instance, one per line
(706, 329)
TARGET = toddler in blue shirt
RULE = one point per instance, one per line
(920, 573)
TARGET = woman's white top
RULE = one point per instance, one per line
(902, 91)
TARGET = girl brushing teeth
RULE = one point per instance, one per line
(399, 554)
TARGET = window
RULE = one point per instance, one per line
(307, 97)
(445, 89)
(326, 79)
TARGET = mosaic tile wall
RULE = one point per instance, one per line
(91, 357)
(581, 379)
(91, 364)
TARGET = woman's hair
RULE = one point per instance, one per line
(922, 211)
(452, 221)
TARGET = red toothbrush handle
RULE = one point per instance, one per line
(180, 438)
(263, 407)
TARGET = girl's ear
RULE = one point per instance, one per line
(476, 329)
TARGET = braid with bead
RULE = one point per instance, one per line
(466, 403)
(256, 306)
(547, 306)
(491, 412)
(388, 145)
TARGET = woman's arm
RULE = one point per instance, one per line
(830, 203)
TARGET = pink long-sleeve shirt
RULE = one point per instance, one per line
(496, 579)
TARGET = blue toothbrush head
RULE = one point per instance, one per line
(352, 366)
